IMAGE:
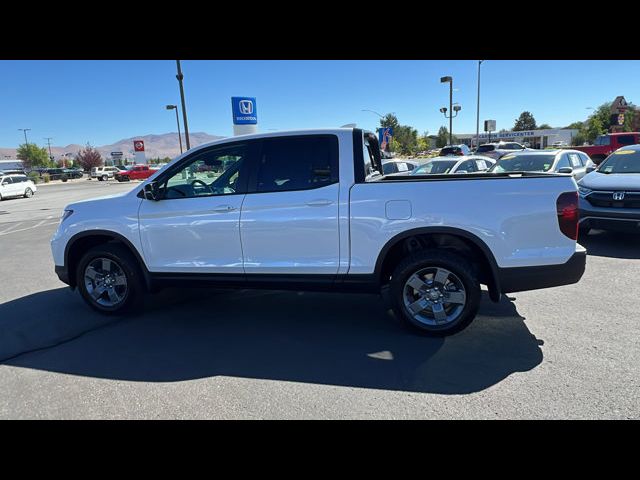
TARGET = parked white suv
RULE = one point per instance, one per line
(16, 186)
(104, 173)
(310, 210)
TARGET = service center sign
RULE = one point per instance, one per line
(244, 110)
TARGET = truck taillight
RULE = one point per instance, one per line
(567, 207)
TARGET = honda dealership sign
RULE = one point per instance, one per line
(245, 115)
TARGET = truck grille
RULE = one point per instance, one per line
(605, 199)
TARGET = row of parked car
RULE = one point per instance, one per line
(609, 191)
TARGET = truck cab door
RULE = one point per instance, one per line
(193, 225)
(289, 221)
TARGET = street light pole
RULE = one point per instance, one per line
(478, 109)
(175, 107)
(25, 134)
(449, 80)
(179, 76)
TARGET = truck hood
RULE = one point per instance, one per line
(611, 181)
(93, 201)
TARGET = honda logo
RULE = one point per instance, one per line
(246, 107)
(618, 195)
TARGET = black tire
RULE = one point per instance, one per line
(433, 259)
(105, 178)
(28, 192)
(124, 259)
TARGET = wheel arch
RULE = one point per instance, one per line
(396, 248)
(81, 242)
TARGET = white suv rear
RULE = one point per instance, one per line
(103, 173)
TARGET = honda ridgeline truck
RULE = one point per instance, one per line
(309, 210)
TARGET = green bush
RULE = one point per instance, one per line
(46, 177)
(34, 177)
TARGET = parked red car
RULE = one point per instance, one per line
(136, 172)
(604, 145)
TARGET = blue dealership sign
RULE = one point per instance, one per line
(384, 137)
(244, 110)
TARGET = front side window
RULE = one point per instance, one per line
(298, 163)
(563, 162)
(215, 171)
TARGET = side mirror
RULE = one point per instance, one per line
(565, 170)
(151, 191)
(591, 168)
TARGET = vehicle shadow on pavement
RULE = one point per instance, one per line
(601, 243)
(345, 340)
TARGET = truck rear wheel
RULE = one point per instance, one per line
(109, 279)
(435, 292)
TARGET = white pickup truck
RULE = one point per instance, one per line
(309, 210)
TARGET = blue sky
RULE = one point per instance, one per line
(104, 101)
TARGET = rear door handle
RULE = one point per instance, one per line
(223, 208)
(323, 202)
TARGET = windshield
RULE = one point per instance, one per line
(602, 140)
(523, 163)
(435, 167)
(622, 161)
(450, 151)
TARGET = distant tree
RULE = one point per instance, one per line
(390, 120)
(525, 122)
(89, 157)
(578, 139)
(574, 126)
(33, 156)
(424, 142)
(594, 127)
(545, 126)
(443, 137)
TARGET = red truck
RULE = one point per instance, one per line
(136, 172)
(604, 145)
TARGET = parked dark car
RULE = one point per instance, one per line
(610, 194)
(73, 172)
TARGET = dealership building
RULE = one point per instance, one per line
(535, 138)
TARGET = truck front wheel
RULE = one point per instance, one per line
(435, 292)
(109, 279)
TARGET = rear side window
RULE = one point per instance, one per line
(298, 163)
(626, 140)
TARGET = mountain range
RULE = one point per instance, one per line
(163, 145)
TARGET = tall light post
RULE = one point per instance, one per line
(449, 80)
(179, 76)
(478, 109)
(175, 107)
(25, 130)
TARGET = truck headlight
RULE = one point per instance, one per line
(584, 191)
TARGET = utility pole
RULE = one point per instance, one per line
(478, 109)
(24, 130)
(179, 76)
(48, 139)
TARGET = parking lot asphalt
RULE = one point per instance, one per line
(566, 352)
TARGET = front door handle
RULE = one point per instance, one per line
(223, 208)
(323, 202)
